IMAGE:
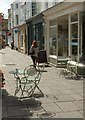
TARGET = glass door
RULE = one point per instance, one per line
(53, 43)
(74, 39)
(74, 36)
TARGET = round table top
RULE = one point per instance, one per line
(16, 71)
(76, 63)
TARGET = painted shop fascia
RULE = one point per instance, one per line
(63, 23)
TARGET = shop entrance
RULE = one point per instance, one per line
(75, 36)
(62, 23)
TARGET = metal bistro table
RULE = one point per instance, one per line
(62, 61)
(17, 73)
(81, 70)
(27, 80)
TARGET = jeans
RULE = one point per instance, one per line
(34, 59)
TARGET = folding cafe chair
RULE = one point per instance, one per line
(30, 82)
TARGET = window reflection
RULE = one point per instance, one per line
(74, 36)
(53, 40)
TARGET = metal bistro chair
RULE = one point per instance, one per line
(70, 70)
(30, 82)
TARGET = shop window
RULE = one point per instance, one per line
(12, 22)
(62, 41)
(53, 40)
(53, 37)
(74, 17)
(53, 22)
(74, 28)
(34, 8)
(74, 50)
(16, 5)
(74, 36)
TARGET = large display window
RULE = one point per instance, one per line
(58, 34)
(53, 37)
(62, 40)
(75, 40)
(63, 36)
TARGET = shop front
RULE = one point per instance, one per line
(36, 33)
(35, 30)
(22, 42)
(64, 31)
(14, 36)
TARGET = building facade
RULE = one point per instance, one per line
(9, 28)
(18, 13)
(36, 24)
(64, 26)
(22, 37)
(28, 11)
(1, 16)
(3, 30)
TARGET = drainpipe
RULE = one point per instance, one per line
(69, 36)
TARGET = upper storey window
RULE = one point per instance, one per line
(16, 5)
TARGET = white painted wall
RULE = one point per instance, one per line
(9, 40)
(25, 11)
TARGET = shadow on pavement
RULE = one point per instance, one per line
(73, 78)
(12, 107)
(2, 52)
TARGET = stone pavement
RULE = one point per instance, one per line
(63, 98)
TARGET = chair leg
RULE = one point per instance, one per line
(16, 91)
(40, 90)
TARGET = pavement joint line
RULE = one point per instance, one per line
(67, 101)
(10, 64)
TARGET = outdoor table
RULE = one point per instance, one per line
(17, 74)
(76, 68)
(72, 66)
(17, 71)
(32, 78)
(81, 69)
(62, 61)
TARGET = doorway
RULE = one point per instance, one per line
(62, 35)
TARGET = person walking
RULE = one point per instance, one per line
(34, 52)
(12, 44)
